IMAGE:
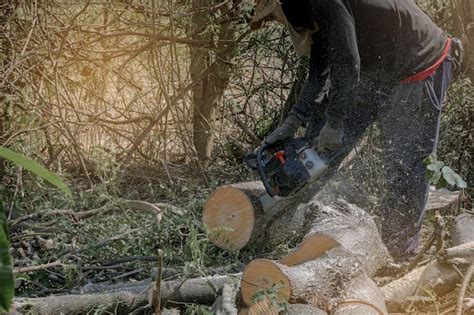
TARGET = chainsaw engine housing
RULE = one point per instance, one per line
(286, 166)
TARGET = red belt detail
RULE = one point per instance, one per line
(432, 69)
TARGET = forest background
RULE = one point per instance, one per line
(156, 101)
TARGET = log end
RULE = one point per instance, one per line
(264, 277)
(229, 215)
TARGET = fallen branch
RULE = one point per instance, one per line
(434, 277)
(462, 291)
(101, 243)
(198, 290)
(21, 270)
(464, 251)
(159, 274)
(80, 215)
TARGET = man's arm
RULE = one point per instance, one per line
(304, 106)
(317, 77)
(337, 25)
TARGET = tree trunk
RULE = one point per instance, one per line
(209, 83)
(463, 27)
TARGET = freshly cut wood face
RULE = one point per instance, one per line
(230, 216)
(311, 248)
(263, 274)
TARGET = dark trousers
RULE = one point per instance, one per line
(409, 121)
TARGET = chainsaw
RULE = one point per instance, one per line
(286, 166)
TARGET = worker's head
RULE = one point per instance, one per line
(284, 12)
(267, 10)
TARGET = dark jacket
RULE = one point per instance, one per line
(385, 40)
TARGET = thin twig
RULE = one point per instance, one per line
(56, 263)
(159, 275)
(462, 291)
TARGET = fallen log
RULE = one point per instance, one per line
(198, 290)
(418, 285)
(266, 307)
(346, 225)
(325, 217)
(243, 213)
(464, 251)
(335, 281)
(341, 229)
(317, 282)
(363, 297)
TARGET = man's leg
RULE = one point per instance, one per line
(409, 123)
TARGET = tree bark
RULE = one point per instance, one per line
(198, 290)
(417, 286)
(336, 281)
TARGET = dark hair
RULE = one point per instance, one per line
(298, 13)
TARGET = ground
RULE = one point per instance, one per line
(121, 245)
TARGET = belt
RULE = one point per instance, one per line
(420, 76)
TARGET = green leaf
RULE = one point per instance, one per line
(435, 177)
(35, 168)
(442, 183)
(6, 269)
(430, 159)
(453, 178)
(436, 166)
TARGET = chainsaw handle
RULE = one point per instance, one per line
(261, 170)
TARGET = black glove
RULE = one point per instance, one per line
(330, 138)
(457, 56)
(285, 131)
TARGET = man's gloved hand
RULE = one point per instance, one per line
(330, 138)
(285, 131)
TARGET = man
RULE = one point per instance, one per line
(387, 61)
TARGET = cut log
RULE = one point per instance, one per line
(229, 214)
(335, 277)
(363, 297)
(237, 214)
(346, 225)
(198, 290)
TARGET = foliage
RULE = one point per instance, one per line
(6, 269)
(271, 295)
(456, 137)
(441, 175)
(34, 167)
